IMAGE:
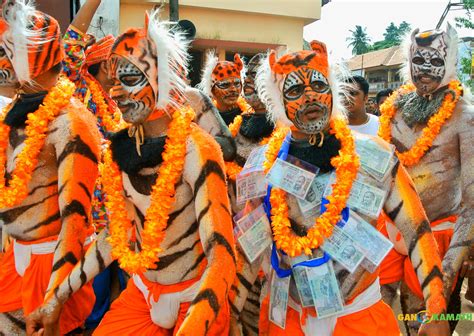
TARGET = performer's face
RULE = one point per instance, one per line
(7, 74)
(132, 91)
(250, 93)
(427, 69)
(227, 91)
(308, 100)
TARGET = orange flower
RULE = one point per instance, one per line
(36, 128)
(346, 165)
(110, 116)
(432, 129)
(162, 199)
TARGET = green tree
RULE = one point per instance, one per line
(393, 35)
(465, 21)
(359, 41)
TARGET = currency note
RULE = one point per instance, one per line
(302, 285)
(290, 178)
(325, 290)
(255, 159)
(343, 249)
(374, 245)
(279, 300)
(373, 158)
(256, 239)
(250, 185)
(309, 206)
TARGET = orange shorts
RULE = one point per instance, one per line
(130, 315)
(27, 292)
(377, 320)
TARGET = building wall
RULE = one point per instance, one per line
(227, 25)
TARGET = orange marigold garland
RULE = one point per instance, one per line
(346, 165)
(162, 199)
(36, 131)
(430, 132)
(112, 122)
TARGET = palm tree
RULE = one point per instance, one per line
(359, 41)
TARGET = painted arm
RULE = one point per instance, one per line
(75, 40)
(209, 119)
(404, 208)
(463, 237)
(204, 172)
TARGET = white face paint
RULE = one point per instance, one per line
(131, 90)
(427, 69)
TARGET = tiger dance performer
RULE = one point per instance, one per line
(174, 195)
(431, 125)
(222, 81)
(50, 148)
(250, 130)
(299, 90)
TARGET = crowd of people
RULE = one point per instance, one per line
(265, 201)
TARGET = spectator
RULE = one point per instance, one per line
(380, 98)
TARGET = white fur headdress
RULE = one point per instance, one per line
(270, 86)
(171, 50)
(450, 37)
(206, 77)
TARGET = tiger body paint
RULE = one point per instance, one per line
(197, 264)
(402, 202)
(50, 227)
(443, 176)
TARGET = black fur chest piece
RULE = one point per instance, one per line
(256, 126)
(125, 154)
(317, 156)
(24, 104)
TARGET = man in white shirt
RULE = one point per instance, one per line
(359, 119)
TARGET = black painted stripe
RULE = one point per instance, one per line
(68, 258)
(434, 273)
(12, 215)
(197, 262)
(244, 282)
(51, 219)
(77, 146)
(86, 190)
(74, 208)
(422, 229)
(32, 191)
(218, 239)
(210, 167)
(210, 296)
(17, 322)
(394, 213)
(191, 229)
(168, 260)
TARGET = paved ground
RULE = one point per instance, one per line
(464, 328)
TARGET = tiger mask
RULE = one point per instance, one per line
(297, 89)
(148, 68)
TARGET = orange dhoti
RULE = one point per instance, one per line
(133, 312)
(23, 285)
(376, 319)
(397, 266)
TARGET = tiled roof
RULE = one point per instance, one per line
(384, 57)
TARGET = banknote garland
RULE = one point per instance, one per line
(35, 131)
(430, 132)
(161, 199)
(346, 166)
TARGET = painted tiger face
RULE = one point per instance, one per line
(227, 91)
(249, 90)
(427, 69)
(7, 73)
(307, 98)
(132, 91)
